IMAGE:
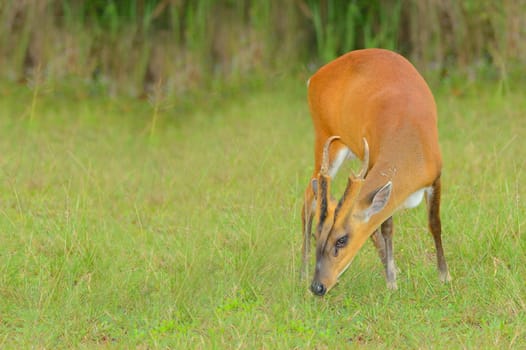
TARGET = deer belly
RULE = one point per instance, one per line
(414, 199)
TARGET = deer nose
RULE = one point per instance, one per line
(318, 288)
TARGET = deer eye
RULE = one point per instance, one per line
(342, 241)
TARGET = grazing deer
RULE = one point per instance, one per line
(374, 105)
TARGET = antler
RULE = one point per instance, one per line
(365, 162)
(354, 183)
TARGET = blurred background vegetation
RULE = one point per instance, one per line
(174, 47)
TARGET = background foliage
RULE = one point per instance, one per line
(178, 46)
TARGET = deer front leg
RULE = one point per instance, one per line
(379, 244)
(390, 267)
(383, 241)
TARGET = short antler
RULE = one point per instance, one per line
(365, 162)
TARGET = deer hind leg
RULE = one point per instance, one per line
(435, 226)
(337, 155)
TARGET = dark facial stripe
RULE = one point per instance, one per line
(323, 197)
(323, 190)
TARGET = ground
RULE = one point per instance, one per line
(116, 233)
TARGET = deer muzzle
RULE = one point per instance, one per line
(318, 288)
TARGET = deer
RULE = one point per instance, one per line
(370, 104)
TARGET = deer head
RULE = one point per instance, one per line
(342, 225)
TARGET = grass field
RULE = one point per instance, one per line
(117, 235)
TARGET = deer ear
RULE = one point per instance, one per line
(314, 184)
(379, 200)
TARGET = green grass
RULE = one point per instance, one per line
(188, 236)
